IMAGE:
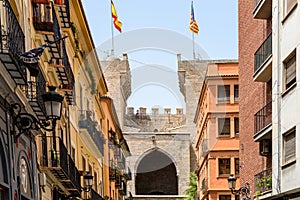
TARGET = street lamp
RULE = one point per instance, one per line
(88, 180)
(243, 192)
(26, 122)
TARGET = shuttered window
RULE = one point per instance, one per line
(289, 4)
(289, 145)
(224, 166)
(223, 93)
(290, 75)
(225, 197)
(224, 126)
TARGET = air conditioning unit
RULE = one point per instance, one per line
(265, 147)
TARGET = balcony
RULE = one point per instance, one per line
(123, 188)
(58, 164)
(112, 171)
(95, 195)
(127, 174)
(262, 122)
(118, 182)
(43, 12)
(34, 90)
(263, 61)
(262, 9)
(46, 21)
(12, 43)
(119, 156)
(91, 134)
(263, 182)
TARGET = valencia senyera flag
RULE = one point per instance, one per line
(193, 23)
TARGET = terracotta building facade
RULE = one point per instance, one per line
(217, 131)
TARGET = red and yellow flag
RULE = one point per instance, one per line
(193, 23)
(117, 23)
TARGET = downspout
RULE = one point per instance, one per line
(278, 99)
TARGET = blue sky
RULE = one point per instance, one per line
(217, 20)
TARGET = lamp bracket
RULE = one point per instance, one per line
(26, 122)
(243, 192)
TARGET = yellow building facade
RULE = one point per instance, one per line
(48, 43)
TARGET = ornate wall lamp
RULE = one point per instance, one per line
(243, 192)
(26, 122)
(88, 180)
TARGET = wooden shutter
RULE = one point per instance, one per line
(290, 146)
(289, 5)
(291, 71)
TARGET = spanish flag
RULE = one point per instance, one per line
(117, 23)
(193, 23)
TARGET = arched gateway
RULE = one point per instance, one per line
(156, 175)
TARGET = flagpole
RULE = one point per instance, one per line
(112, 32)
(194, 56)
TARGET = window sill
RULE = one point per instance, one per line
(286, 165)
(289, 13)
(289, 89)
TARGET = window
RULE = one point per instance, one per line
(223, 93)
(95, 181)
(236, 126)
(83, 163)
(288, 6)
(237, 166)
(224, 197)
(224, 166)
(73, 153)
(236, 93)
(289, 146)
(90, 169)
(224, 126)
(290, 71)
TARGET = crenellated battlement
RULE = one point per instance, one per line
(160, 120)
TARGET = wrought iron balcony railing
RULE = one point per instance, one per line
(263, 53)
(12, 43)
(123, 188)
(59, 163)
(112, 170)
(127, 174)
(34, 90)
(86, 122)
(95, 195)
(263, 117)
(263, 182)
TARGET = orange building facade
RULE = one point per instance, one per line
(217, 126)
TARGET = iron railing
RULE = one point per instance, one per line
(263, 117)
(12, 43)
(12, 36)
(86, 122)
(263, 53)
(59, 162)
(123, 188)
(263, 182)
(95, 195)
(127, 174)
(112, 170)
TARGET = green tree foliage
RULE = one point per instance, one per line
(191, 191)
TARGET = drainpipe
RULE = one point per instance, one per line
(278, 100)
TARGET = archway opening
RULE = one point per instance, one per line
(156, 175)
